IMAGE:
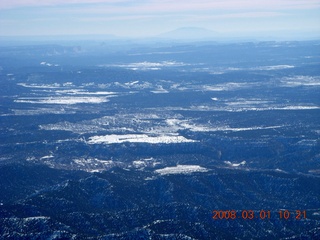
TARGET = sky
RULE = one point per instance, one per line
(146, 18)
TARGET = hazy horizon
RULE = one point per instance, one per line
(145, 19)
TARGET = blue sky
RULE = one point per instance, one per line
(143, 18)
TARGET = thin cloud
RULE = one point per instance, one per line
(194, 17)
(115, 18)
(123, 7)
(7, 4)
(238, 15)
(169, 5)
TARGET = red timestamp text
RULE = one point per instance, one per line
(261, 214)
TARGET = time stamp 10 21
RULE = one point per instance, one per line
(262, 214)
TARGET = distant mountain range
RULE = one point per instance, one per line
(189, 33)
(183, 34)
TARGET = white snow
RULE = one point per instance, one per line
(274, 67)
(83, 92)
(63, 100)
(147, 162)
(246, 128)
(247, 102)
(181, 169)
(160, 91)
(138, 138)
(47, 157)
(93, 164)
(49, 64)
(79, 161)
(177, 124)
(149, 127)
(39, 111)
(297, 108)
(53, 85)
(68, 84)
(235, 164)
(36, 218)
(230, 86)
(242, 108)
(147, 65)
(131, 83)
(108, 162)
(222, 70)
(300, 80)
(139, 163)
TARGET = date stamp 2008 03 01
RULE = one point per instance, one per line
(262, 214)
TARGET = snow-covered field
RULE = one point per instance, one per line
(138, 138)
(181, 169)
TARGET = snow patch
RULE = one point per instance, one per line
(274, 67)
(49, 64)
(138, 138)
(142, 66)
(63, 100)
(36, 218)
(160, 90)
(299, 80)
(53, 85)
(139, 164)
(47, 157)
(82, 92)
(181, 169)
(235, 164)
(147, 162)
